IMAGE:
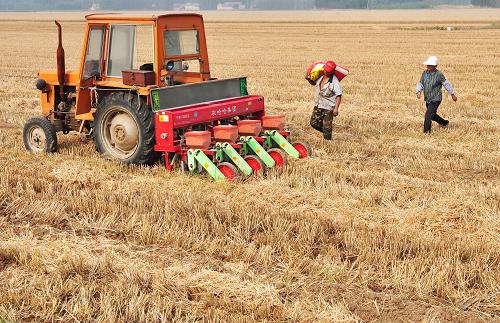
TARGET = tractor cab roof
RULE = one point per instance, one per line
(111, 16)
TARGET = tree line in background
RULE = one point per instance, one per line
(486, 3)
(399, 4)
(44, 5)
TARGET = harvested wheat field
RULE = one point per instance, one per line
(381, 224)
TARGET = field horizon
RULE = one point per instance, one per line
(382, 224)
(441, 15)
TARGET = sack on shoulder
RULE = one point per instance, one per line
(320, 68)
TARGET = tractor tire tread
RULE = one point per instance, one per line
(146, 154)
(48, 129)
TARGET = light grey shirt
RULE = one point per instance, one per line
(325, 97)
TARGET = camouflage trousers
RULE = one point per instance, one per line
(322, 120)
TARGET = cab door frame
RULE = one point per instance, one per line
(84, 100)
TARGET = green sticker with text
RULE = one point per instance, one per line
(156, 100)
(243, 86)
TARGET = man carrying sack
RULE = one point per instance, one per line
(430, 83)
(328, 95)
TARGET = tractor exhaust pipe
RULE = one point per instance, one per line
(61, 68)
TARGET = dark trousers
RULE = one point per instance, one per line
(322, 120)
(431, 115)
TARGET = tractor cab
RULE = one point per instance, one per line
(173, 47)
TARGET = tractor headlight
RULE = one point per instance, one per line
(170, 65)
(41, 84)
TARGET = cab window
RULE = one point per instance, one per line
(130, 47)
(121, 49)
(93, 58)
(181, 42)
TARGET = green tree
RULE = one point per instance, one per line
(341, 4)
(486, 3)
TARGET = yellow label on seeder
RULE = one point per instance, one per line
(163, 118)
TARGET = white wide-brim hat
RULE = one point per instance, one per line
(432, 60)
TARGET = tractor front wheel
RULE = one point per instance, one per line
(39, 135)
(124, 129)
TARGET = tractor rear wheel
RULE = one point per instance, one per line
(124, 129)
(39, 135)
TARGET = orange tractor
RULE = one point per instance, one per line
(160, 103)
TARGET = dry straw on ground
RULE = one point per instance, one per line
(383, 223)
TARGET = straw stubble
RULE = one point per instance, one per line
(383, 223)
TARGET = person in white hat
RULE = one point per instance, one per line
(430, 83)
